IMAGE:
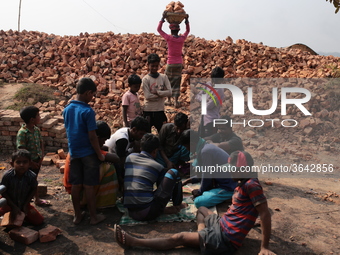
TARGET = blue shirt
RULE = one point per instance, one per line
(211, 155)
(79, 119)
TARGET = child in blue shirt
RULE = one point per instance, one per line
(80, 124)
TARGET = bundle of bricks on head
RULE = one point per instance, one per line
(175, 13)
(176, 7)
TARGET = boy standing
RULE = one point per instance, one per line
(84, 149)
(156, 88)
(21, 185)
(130, 101)
(29, 138)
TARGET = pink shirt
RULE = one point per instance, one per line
(132, 101)
(175, 44)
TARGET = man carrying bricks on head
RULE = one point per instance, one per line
(175, 62)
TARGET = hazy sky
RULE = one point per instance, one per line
(275, 23)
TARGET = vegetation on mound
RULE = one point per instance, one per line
(333, 87)
(30, 94)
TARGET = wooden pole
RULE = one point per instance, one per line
(19, 16)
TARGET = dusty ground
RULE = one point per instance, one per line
(305, 218)
(7, 93)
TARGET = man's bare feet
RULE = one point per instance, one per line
(99, 218)
(183, 205)
(122, 237)
(175, 209)
(78, 219)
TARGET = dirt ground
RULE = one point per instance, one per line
(7, 93)
(305, 218)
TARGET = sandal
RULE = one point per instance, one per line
(119, 235)
(44, 203)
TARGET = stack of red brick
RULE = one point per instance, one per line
(52, 131)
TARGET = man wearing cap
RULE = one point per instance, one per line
(175, 61)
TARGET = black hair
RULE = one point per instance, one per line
(149, 143)
(217, 72)
(86, 84)
(153, 58)
(134, 79)
(103, 130)
(180, 119)
(226, 117)
(28, 113)
(21, 153)
(189, 136)
(140, 124)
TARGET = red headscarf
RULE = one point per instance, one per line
(174, 26)
(241, 160)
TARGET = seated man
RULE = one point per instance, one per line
(125, 141)
(213, 191)
(171, 152)
(226, 139)
(141, 173)
(218, 235)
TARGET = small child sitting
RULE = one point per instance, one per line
(130, 101)
(21, 185)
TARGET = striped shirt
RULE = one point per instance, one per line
(141, 173)
(17, 189)
(242, 214)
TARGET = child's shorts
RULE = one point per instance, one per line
(212, 239)
(84, 170)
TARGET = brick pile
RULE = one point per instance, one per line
(108, 58)
(52, 131)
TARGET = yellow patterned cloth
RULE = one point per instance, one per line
(106, 191)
